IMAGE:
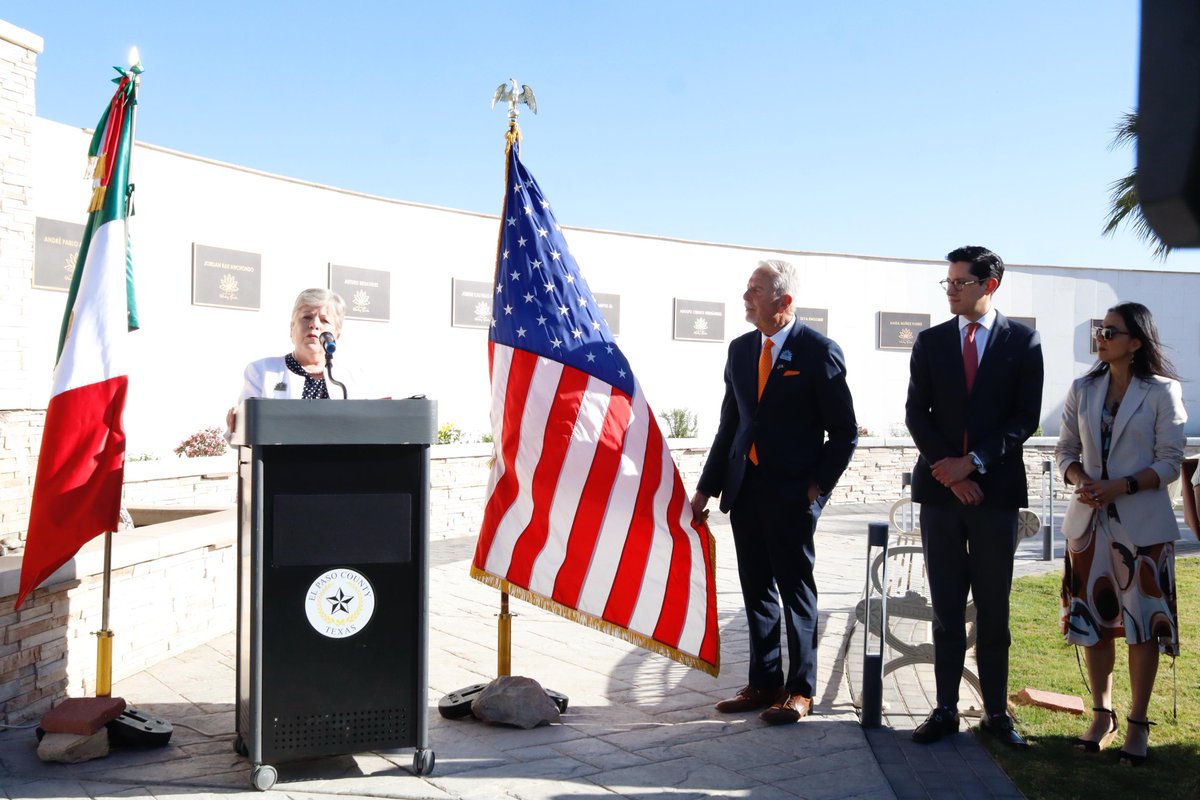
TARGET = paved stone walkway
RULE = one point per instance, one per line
(638, 724)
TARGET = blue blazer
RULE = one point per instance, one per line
(1001, 412)
(804, 428)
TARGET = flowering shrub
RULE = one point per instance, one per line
(450, 434)
(208, 442)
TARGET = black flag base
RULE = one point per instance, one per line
(135, 729)
(87, 716)
(457, 704)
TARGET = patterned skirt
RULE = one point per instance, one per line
(1112, 588)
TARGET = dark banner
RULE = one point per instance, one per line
(367, 292)
(898, 331)
(55, 249)
(226, 278)
(471, 303)
(699, 321)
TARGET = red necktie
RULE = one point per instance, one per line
(970, 356)
(970, 365)
(764, 370)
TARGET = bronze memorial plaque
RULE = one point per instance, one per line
(815, 318)
(699, 321)
(1030, 321)
(898, 331)
(610, 307)
(226, 278)
(471, 303)
(367, 292)
(55, 249)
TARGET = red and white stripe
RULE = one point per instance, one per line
(81, 466)
(586, 508)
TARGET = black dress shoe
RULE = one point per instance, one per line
(1000, 727)
(942, 722)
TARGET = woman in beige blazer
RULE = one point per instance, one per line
(1120, 445)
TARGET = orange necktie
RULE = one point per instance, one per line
(764, 370)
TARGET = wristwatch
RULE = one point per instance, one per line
(977, 462)
(1131, 485)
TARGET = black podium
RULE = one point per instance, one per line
(333, 501)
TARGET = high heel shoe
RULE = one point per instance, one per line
(1089, 746)
(1129, 759)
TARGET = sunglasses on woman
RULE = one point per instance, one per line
(1107, 334)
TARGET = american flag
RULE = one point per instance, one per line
(586, 514)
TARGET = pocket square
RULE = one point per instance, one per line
(281, 387)
(788, 373)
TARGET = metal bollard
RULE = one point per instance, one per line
(1047, 510)
(872, 686)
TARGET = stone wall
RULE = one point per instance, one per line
(20, 428)
(173, 588)
(20, 442)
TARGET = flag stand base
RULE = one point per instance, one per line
(127, 726)
(457, 704)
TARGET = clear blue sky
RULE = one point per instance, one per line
(880, 128)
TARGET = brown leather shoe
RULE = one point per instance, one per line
(789, 709)
(750, 699)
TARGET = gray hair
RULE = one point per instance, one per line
(783, 278)
(320, 298)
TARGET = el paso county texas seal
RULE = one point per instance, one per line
(339, 603)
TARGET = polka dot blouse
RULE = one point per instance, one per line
(314, 388)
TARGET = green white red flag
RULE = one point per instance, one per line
(81, 466)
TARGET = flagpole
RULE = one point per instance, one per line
(104, 636)
(514, 96)
(504, 639)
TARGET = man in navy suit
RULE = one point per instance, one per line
(786, 434)
(974, 397)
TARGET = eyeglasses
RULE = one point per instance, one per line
(1107, 334)
(947, 284)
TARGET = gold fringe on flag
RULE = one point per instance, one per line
(603, 625)
(97, 201)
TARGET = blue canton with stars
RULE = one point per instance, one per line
(542, 303)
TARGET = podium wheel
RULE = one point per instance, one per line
(239, 746)
(423, 762)
(263, 777)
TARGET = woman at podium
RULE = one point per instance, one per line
(301, 373)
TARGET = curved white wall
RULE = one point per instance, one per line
(188, 359)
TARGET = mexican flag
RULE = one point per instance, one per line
(81, 468)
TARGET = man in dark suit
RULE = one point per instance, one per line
(974, 397)
(773, 467)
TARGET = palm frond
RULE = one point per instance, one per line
(1124, 207)
(1125, 131)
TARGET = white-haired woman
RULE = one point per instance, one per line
(301, 373)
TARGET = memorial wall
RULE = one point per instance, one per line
(220, 252)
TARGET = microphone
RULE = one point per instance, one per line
(330, 345)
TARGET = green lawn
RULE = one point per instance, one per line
(1051, 769)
